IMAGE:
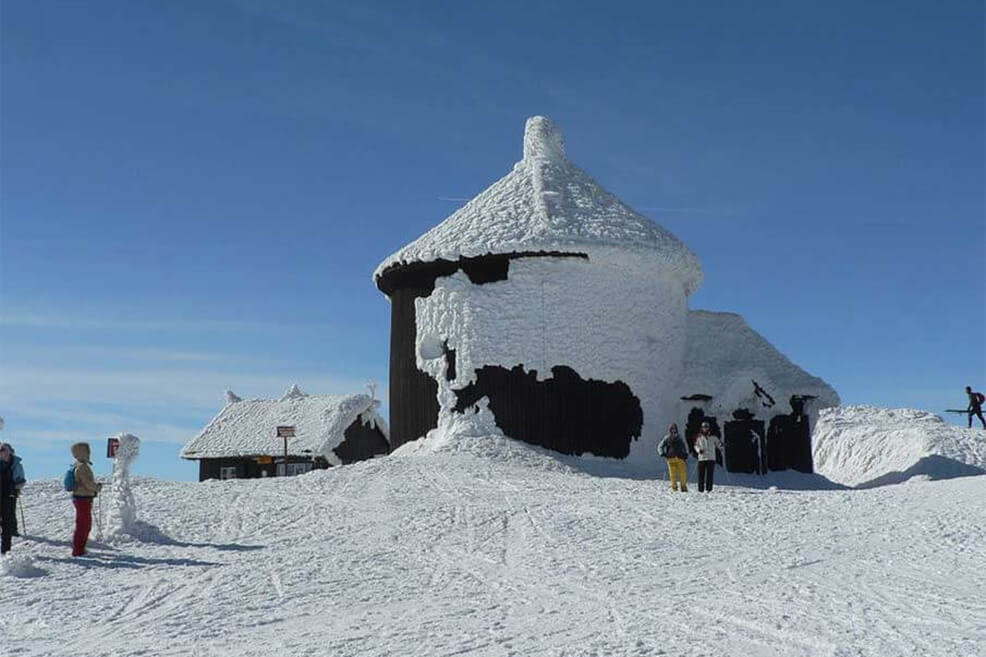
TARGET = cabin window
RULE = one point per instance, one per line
(227, 472)
(294, 468)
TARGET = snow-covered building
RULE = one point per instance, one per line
(242, 442)
(548, 303)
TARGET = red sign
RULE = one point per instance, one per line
(112, 444)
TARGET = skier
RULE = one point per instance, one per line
(705, 446)
(976, 400)
(86, 488)
(11, 482)
(672, 447)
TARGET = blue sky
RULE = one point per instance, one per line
(193, 195)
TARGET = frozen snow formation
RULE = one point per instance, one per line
(122, 515)
(1, 424)
(864, 446)
(564, 312)
(249, 427)
(547, 204)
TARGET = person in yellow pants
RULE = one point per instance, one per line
(672, 447)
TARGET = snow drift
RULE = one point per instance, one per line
(864, 446)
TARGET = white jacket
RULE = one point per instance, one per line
(706, 447)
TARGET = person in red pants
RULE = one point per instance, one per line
(86, 488)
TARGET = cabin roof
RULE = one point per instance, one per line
(249, 427)
(547, 204)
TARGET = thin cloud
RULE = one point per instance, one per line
(455, 199)
(66, 322)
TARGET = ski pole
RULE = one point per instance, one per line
(20, 505)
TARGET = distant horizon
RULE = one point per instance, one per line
(178, 221)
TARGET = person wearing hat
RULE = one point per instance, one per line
(11, 482)
(706, 444)
(86, 488)
(672, 447)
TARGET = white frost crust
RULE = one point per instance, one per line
(608, 320)
(546, 203)
(122, 516)
(249, 427)
(855, 445)
(724, 355)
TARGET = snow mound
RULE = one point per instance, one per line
(22, 566)
(865, 446)
(475, 434)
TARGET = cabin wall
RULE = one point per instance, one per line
(413, 394)
(249, 468)
(361, 442)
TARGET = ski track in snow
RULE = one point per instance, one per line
(451, 554)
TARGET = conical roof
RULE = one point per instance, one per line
(547, 204)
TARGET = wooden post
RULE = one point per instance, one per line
(285, 432)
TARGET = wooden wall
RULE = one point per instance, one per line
(361, 442)
(414, 394)
(565, 413)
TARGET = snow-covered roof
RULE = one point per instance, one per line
(724, 355)
(547, 204)
(249, 427)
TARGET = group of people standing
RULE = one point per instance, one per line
(84, 490)
(675, 450)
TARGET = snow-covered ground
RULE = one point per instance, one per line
(865, 446)
(497, 549)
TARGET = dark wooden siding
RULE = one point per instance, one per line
(744, 442)
(361, 442)
(789, 443)
(248, 468)
(565, 412)
(413, 394)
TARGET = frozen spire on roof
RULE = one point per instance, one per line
(543, 140)
(294, 392)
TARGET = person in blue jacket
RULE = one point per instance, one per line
(11, 482)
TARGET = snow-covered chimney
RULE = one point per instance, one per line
(543, 140)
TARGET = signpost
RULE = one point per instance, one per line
(112, 444)
(285, 432)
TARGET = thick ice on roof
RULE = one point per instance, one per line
(723, 358)
(546, 203)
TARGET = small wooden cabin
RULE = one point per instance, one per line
(241, 441)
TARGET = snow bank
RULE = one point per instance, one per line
(865, 446)
(475, 434)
